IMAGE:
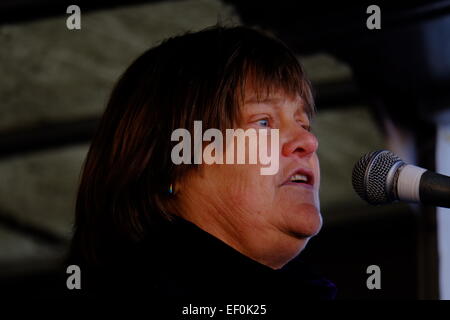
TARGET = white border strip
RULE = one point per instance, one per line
(443, 214)
(409, 182)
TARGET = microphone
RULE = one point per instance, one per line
(381, 177)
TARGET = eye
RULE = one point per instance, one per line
(307, 127)
(263, 122)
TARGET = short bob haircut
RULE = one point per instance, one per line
(196, 76)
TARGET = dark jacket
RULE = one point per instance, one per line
(178, 259)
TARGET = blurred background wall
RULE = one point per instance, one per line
(54, 86)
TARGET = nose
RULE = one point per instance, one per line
(299, 142)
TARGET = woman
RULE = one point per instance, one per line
(146, 224)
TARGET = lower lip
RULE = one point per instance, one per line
(299, 185)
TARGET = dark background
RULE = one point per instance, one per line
(374, 89)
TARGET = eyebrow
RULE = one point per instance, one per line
(303, 107)
(254, 99)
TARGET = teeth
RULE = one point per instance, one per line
(299, 178)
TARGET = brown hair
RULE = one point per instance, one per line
(195, 76)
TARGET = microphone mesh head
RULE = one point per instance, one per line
(370, 173)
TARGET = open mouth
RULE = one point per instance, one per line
(301, 177)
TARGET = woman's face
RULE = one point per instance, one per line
(241, 199)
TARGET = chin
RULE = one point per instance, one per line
(306, 222)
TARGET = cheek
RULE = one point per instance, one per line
(245, 186)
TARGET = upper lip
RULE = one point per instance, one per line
(303, 171)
